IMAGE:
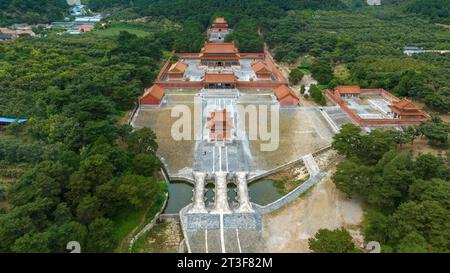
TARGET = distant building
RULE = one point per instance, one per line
(85, 28)
(7, 121)
(78, 10)
(15, 31)
(410, 50)
(405, 109)
(373, 2)
(88, 19)
(73, 2)
(6, 37)
(218, 30)
(348, 91)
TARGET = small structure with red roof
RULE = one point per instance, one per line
(85, 28)
(177, 70)
(286, 96)
(152, 96)
(406, 109)
(218, 30)
(220, 125)
(219, 24)
(348, 90)
(261, 70)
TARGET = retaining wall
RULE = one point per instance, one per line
(291, 196)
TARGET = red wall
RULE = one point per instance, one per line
(372, 122)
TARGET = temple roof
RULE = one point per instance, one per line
(178, 67)
(260, 67)
(405, 107)
(219, 48)
(283, 91)
(154, 91)
(220, 20)
(348, 89)
(220, 78)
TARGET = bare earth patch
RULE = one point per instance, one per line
(301, 132)
(288, 229)
(164, 237)
(178, 154)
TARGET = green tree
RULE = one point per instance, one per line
(88, 209)
(139, 190)
(348, 141)
(100, 233)
(142, 141)
(295, 76)
(353, 178)
(332, 241)
(146, 164)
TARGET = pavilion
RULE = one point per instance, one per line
(220, 125)
(405, 109)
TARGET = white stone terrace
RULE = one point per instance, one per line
(195, 72)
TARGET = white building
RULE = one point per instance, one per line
(374, 2)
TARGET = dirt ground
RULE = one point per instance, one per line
(301, 132)
(177, 154)
(164, 237)
(421, 146)
(288, 229)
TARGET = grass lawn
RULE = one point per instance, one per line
(125, 220)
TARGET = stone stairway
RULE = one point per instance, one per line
(311, 165)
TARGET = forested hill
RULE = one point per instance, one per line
(436, 10)
(31, 11)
